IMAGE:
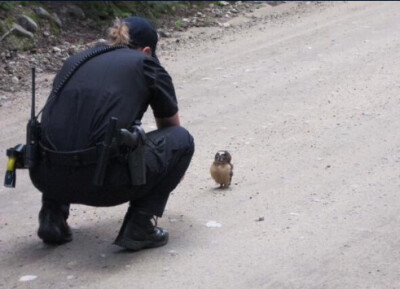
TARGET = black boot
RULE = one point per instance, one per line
(53, 227)
(138, 232)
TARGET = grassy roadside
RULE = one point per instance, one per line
(94, 16)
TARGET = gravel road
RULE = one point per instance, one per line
(308, 105)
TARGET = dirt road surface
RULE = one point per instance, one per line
(308, 104)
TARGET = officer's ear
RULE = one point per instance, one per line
(147, 50)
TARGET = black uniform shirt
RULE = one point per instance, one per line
(121, 83)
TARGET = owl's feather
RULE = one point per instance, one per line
(222, 174)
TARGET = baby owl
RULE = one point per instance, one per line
(222, 170)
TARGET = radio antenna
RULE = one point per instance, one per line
(33, 93)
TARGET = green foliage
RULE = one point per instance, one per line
(9, 5)
(104, 11)
(54, 28)
(99, 14)
(101, 11)
(6, 5)
(179, 23)
(2, 28)
(14, 42)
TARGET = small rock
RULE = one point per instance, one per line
(41, 12)
(226, 25)
(46, 33)
(75, 11)
(56, 49)
(18, 29)
(172, 252)
(102, 41)
(15, 80)
(72, 50)
(260, 219)
(223, 3)
(164, 34)
(27, 23)
(56, 19)
(213, 224)
(27, 278)
(217, 12)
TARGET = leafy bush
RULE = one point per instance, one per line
(106, 10)
(6, 6)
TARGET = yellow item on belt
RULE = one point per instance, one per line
(11, 164)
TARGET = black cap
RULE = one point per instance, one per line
(142, 33)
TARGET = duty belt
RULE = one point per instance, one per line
(75, 158)
(124, 143)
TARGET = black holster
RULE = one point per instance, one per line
(135, 143)
(131, 144)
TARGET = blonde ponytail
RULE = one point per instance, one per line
(118, 34)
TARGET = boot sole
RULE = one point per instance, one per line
(53, 238)
(139, 245)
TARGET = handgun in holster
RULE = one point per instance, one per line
(131, 144)
(135, 142)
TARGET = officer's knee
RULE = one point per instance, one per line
(189, 141)
(181, 139)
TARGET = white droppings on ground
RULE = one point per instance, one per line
(213, 224)
(172, 252)
(27, 278)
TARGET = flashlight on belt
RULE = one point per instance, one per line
(15, 160)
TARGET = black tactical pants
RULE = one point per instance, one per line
(168, 155)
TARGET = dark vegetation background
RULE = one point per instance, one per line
(44, 34)
(92, 16)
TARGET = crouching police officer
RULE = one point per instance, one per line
(120, 83)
